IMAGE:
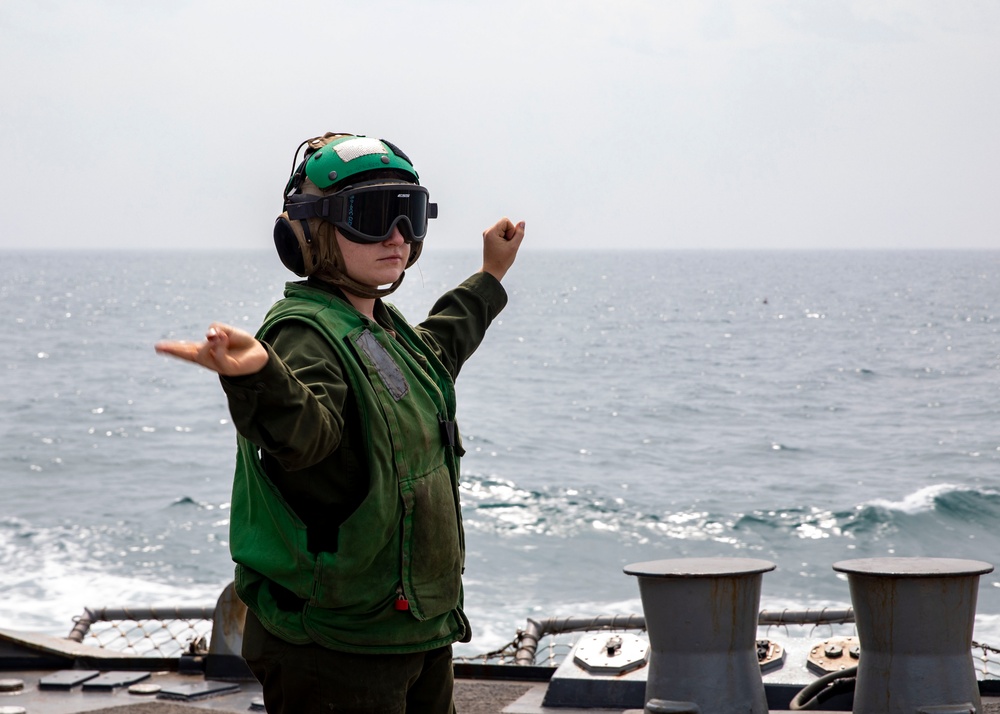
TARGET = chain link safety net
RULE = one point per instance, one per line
(146, 632)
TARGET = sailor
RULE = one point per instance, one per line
(346, 526)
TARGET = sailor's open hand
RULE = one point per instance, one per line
(226, 350)
(500, 244)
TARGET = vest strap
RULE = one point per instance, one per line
(447, 431)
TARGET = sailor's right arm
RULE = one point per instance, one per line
(227, 350)
(293, 406)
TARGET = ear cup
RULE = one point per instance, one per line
(292, 246)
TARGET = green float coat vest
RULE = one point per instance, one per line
(404, 541)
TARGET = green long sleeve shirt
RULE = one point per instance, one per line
(299, 410)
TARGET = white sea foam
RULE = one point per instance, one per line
(48, 584)
(987, 629)
(920, 501)
(51, 608)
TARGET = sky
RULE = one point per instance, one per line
(624, 124)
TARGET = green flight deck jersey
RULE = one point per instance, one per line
(346, 524)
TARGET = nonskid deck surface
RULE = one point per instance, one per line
(471, 697)
(36, 700)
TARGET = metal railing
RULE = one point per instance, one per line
(543, 642)
(145, 631)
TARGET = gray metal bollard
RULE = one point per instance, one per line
(701, 616)
(914, 618)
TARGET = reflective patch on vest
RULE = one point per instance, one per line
(392, 377)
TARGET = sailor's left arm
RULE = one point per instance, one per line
(458, 321)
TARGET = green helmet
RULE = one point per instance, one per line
(342, 160)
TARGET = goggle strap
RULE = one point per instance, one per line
(328, 207)
(432, 210)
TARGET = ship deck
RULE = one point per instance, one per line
(472, 696)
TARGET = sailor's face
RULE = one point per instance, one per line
(375, 264)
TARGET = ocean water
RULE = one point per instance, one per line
(800, 407)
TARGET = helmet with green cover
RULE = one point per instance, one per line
(347, 158)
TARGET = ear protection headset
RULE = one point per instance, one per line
(293, 241)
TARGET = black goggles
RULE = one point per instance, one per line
(367, 213)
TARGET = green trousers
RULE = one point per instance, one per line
(310, 679)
